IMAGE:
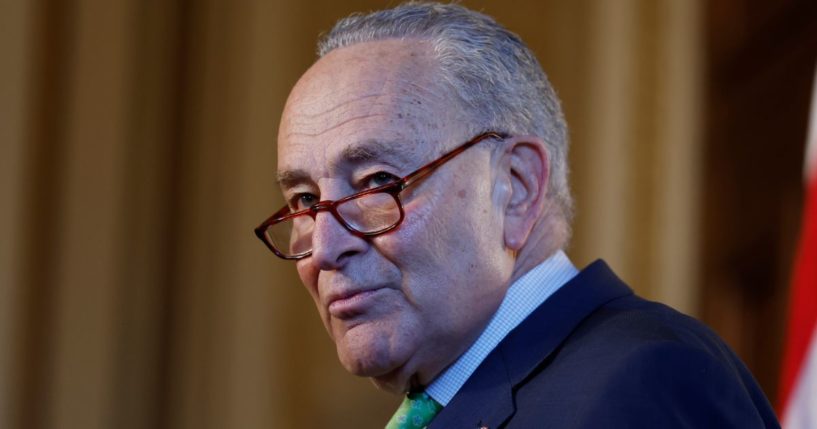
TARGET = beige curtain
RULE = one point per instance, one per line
(138, 152)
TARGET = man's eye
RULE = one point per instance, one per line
(379, 179)
(303, 201)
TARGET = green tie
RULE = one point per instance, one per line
(416, 411)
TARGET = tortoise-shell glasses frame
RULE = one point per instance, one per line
(393, 189)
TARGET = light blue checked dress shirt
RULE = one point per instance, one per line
(522, 298)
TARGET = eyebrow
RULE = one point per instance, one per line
(289, 178)
(360, 153)
(375, 150)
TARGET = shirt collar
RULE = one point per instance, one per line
(522, 297)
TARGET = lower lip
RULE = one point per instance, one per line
(353, 305)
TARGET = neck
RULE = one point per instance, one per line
(549, 236)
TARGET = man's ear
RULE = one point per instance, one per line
(527, 169)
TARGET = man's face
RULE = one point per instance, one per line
(403, 305)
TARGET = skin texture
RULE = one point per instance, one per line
(402, 306)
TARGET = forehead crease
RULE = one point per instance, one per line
(388, 91)
(302, 131)
(309, 117)
(308, 108)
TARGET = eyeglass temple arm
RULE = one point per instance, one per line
(428, 168)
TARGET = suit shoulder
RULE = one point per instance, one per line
(630, 323)
(643, 362)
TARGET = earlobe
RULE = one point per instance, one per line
(528, 176)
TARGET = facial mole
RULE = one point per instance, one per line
(461, 193)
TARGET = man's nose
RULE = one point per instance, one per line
(332, 243)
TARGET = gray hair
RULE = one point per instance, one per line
(491, 72)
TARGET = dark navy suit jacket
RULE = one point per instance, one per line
(594, 355)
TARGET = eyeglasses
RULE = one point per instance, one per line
(364, 214)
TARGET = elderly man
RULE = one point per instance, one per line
(423, 162)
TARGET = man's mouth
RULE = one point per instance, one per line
(353, 303)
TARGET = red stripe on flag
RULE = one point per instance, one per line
(803, 300)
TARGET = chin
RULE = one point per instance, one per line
(374, 357)
(366, 361)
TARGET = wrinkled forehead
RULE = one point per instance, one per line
(363, 101)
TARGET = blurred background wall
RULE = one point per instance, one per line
(137, 152)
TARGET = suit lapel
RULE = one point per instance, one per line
(486, 399)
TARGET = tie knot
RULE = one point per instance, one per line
(416, 411)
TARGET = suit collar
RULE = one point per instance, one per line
(486, 399)
(547, 327)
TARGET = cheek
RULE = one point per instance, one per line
(447, 219)
(417, 240)
(309, 277)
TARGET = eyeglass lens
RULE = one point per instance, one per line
(366, 214)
